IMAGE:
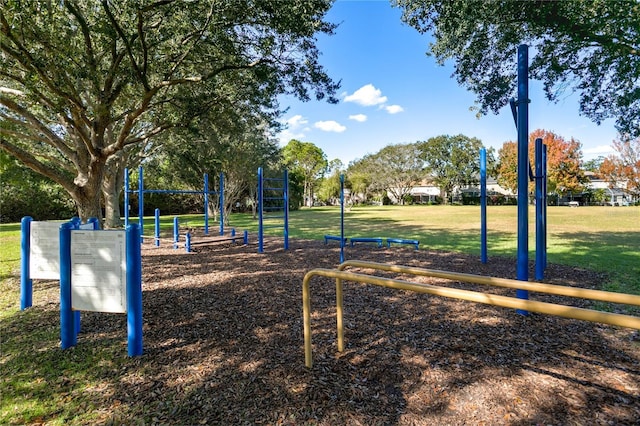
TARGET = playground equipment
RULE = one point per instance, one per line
(378, 241)
(141, 191)
(328, 238)
(273, 197)
(474, 296)
(189, 243)
(343, 240)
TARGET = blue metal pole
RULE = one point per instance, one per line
(544, 204)
(134, 291)
(126, 197)
(539, 210)
(68, 336)
(285, 196)
(26, 283)
(483, 205)
(260, 218)
(141, 202)
(206, 204)
(157, 227)
(76, 222)
(523, 170)
(341, 218)
(176, 232)
(221, 202)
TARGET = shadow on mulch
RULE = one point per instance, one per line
(223, 344)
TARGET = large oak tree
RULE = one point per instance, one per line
(81, 82)
(591, 47)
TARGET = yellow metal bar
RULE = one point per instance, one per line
(583, 293)
(508, 302)
(339, 316)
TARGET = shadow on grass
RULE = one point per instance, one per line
(223, 344)
(614, 252)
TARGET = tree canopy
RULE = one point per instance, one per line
(624, 166)
(591, 47)
(308, 161)
(453, 161)
(564, 158)
(81, 81)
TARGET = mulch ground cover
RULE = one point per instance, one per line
(223, 344)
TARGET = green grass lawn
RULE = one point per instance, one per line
(598, 238)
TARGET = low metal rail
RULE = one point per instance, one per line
(473, 296)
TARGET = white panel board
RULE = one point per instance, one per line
(44, 253)
(98, 271)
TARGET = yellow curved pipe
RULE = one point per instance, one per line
(583, 293)
(509, 302)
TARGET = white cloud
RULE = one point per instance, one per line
(286, 135)
(358, 117)
(330, 126)
(393, 109)
(296, 121)
(295, 129)
(367, 95)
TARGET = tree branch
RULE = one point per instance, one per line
(141, 76)
(86, 33)
(36, 124)
(34, 164)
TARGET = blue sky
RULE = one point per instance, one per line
(392, 92)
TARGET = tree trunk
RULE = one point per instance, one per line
(112, 185)
(112, 217)
(88, 205)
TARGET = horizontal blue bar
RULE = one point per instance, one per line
(172, 191)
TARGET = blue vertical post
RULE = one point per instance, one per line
(544, 204)
(221, 202)
(483, 205)
(157, 227)
(285, 198)
(68, 336)
(126, 197)
(260, 216)
(95, 222)
(206, 204)
(176, 232)
(539, 210)
(26, 283)
(341, 218)
(523, 170)
(141, 202)
(187, 242)
(134, 291)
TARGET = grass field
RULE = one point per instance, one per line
(598, 238)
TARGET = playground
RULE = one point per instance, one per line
(224, 345)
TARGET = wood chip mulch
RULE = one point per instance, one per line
(223, 344)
